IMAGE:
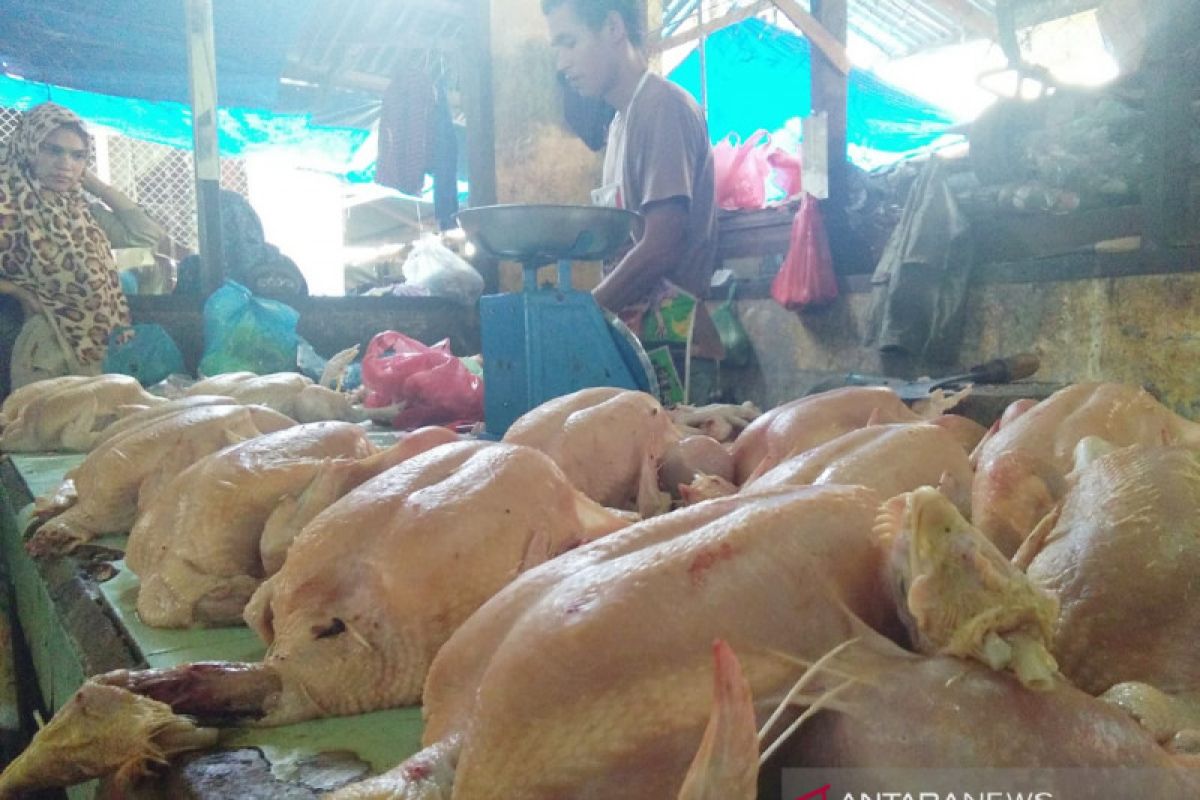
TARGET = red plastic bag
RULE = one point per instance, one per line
(430, 381)
(741, 171)
(806, 277)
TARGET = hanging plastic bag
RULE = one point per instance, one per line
(434, 267)
(244, 332)
(738, 349)
(428, 385)
(741, 171)
(786, 172)
(147, 352)
(806, 277)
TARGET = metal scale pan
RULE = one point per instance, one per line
(542, 343)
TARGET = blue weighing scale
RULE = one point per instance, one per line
(545, 342)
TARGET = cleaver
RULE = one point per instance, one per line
(998, 370)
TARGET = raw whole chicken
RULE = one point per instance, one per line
(609, 442)
(137, 416)
(1021, 470)
(70, 416)
(807, 422)
(288, 393)
(602, 658)
(887, 458)
(219, 384)
(30, 392)
(889, 709)
(294, 512)
(1122, 555)
(103, 493)
(196, 548)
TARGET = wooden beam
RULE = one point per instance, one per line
(970, 18)
(831, 45)
(202, 84)
(829, 91)
(731, 17)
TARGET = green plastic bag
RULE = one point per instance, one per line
(739, 351)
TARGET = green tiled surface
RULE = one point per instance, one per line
(381, 739)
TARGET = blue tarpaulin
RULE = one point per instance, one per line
(137, 48)
(758, 77)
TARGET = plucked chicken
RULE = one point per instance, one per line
(890, 459)
(196, 548)
(70, 416)
(31, 392)
(1122, 555)
(137, 416)
(880, 708)
(288, 393)
(807, 422)
(1021, 471)
(102, 494)
(609, 442)
(616, 700)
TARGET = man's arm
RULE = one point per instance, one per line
(650, 259)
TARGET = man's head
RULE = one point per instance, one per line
(591, 38)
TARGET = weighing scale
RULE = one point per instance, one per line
(545, 342)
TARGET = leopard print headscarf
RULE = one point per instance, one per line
(51, 247)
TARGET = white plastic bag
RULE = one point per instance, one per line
(435, 267)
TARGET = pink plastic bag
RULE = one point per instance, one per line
(786, 172)
(741, 171)
(806, 277)
(430, 381)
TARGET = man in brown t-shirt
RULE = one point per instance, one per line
(658, 160)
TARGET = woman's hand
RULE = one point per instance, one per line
(113, 198)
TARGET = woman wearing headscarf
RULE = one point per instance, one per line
(54, 255)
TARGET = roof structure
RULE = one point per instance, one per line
(897, 28)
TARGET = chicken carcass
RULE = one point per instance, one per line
(1021, 470)
(887, 711)
(1122, 555)
(103, 493)
(196, 547)
(294, 512)
(137, 416)
(288, 393)
(602, 657)
(15, 403)
(70, 416)
(807, 422)
(609, 442)
(890, 459)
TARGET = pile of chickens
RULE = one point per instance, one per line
(614, 602)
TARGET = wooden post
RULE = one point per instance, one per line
(1168, 131)
(202, 82)
(829, 87)
(481, 124)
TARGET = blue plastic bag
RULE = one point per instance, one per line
(150, 355)
(244, 332)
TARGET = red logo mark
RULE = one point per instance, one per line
(816, 793)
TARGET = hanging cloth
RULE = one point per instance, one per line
(406, 122)
(920, 284)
